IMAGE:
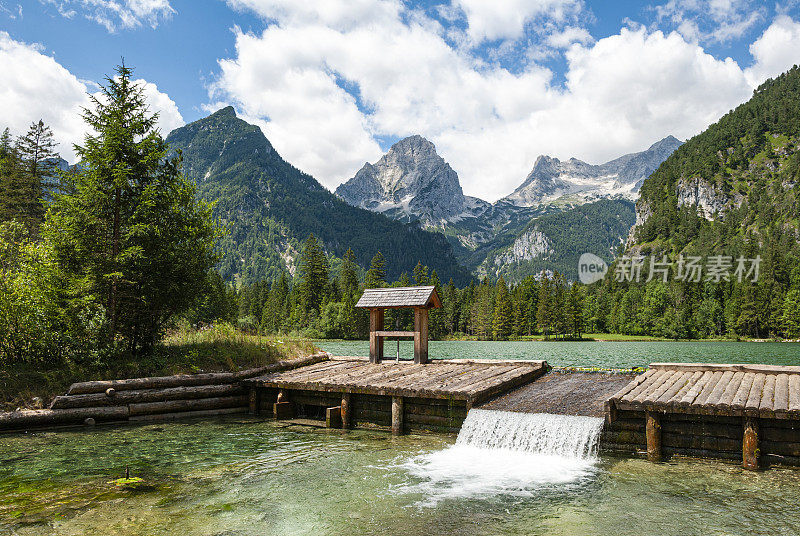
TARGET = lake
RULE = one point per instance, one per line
(616, 354)
(240, 476)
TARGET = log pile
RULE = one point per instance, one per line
(156, 398)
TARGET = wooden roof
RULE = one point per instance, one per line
(446, 380)
(737, 390)
(399, 297)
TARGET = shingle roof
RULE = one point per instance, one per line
(755, 390)
(399, 297)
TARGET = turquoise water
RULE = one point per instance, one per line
(591, 353)
(237, 477)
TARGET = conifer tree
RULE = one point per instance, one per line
(421, 274)
(503, 321)
(314, 271)
(376, 275)
(129, 233)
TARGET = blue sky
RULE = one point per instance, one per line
(333, 83)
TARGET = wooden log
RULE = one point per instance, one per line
(717, 367)
(333, 417)
(184, 380)
(347, 411)
(750, 448)
(161, 417)
(375, 340)
(708, 389)
(653, 436)
(777, 434)
(255, 401)
(781, 402)
(754, 398)
(705, 442)
(692, 394)
(636, 382)
(50, 417)
(434, 420)
(283, 410)
(151, 395)
(702, 429)
(794, 393)
(740, 398)
(766, 407)
(174, 406)
(420, 335)
(727, 396)
(627, 424)
(783, 448)
(630, 437)
(703, 454)
(397, 415)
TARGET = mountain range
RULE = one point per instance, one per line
(409, 205)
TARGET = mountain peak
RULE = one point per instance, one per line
(227, 111)
(410, 182)
(669, 141)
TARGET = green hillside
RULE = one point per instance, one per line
(270, 207)
(731, 191)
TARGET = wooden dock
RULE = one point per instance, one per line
(403, 395)
(747, 413)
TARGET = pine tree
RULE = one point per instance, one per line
(376, 275)
(314, 271)
(348, 276)
(437, 320)
(503, 321)
(421, 274)
(544, 312)
(129, 233)
(37, 153)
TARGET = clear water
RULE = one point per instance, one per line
(238, 476)
(591, 353)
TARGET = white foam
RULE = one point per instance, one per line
(500, 452)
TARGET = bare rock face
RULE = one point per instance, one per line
(532, 244)
(697, 191)
(573, 181)
(411, 182)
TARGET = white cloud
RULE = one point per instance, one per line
(569, 35)
(506, 19)
(776, 50)
(38, 87)
(717, 21)
(117, 15)
(325, 89)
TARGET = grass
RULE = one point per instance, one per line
(215, 348)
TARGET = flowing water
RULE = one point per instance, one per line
(605, 354)
(238, 476)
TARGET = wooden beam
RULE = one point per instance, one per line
(375, 340)
(283, 410)
(420, 335)
(653, 435)
(347, 411)
(397, 415)
(255, 401)
(333, 417)
(750, 450)
(395, 333)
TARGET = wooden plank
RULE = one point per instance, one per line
(397, 415)
(514, 379)
(653, 387)
(644, 385)
(638, 380)
(727, 396)
(781, 402)
(715, 367)
(719, 389)
(768, 395)
(469, 382)
(691, 395)
(653, 436)
(754, 398)
(708, 388)
(740, 398)
(652, 396)
(395, 333)
(420, 335)
(688, 382)
(677, 385)
(794, 393)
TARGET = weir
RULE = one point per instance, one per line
(569, 436)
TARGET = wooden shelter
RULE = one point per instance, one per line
(377, 300)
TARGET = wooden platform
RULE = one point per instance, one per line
(467, 380)
(732, 390)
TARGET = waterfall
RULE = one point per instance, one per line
(570, 436)
(503, 453)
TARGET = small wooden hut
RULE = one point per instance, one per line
(377, 300)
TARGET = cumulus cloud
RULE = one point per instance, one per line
(326, 88)
(38, 87)
(711, 20)
(506, 19)
(117, 15)
(776, 50)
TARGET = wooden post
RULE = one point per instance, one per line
(375, 342)
(420, 335)
(750, 450)
(653, 432)
(283, 409)
(333, 417)
(347, 412)
(255, 401)
(397, 415)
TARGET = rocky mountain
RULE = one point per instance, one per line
(270, 207)
(412, 182)
(552, 181)
(733, 187)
